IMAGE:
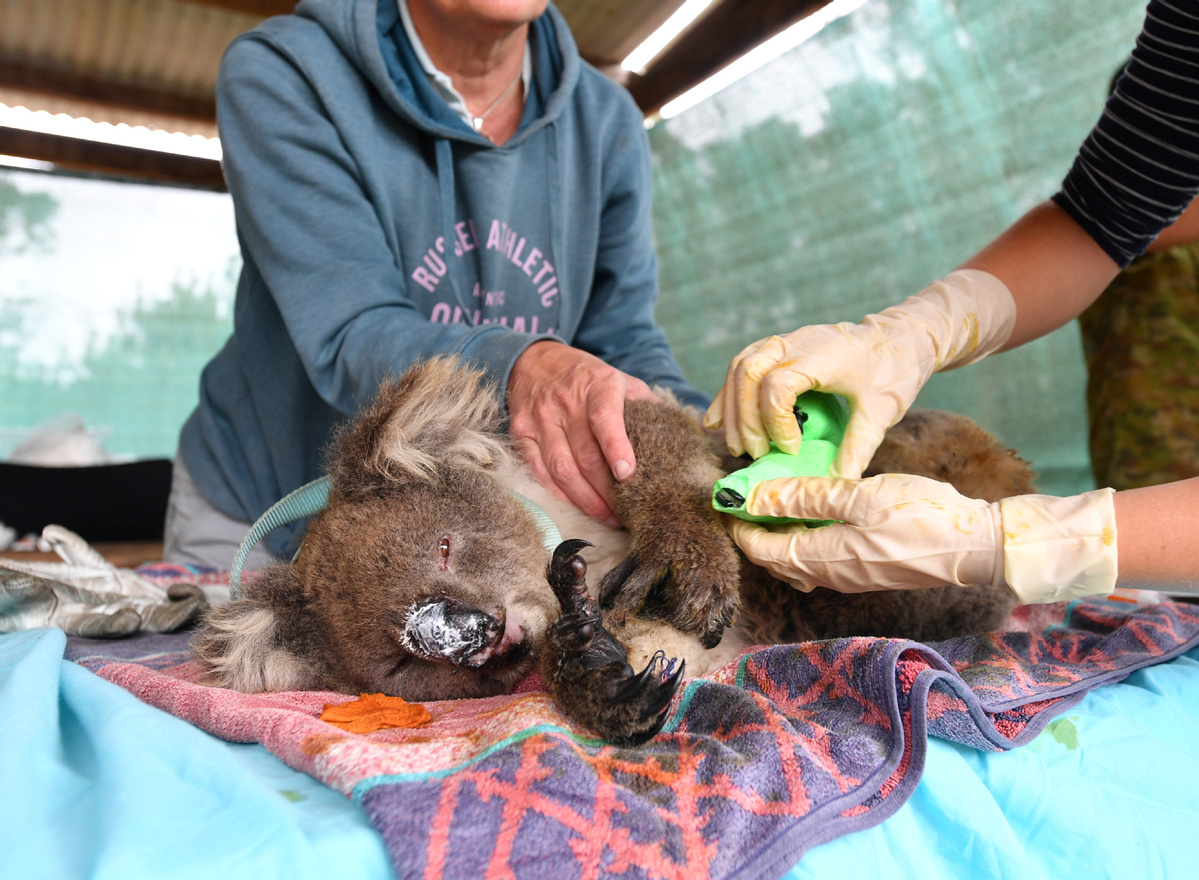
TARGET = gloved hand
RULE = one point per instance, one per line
(879, 365)
(897, 532)
(85, 595)
(28, 601)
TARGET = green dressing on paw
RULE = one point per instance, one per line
(822, 419)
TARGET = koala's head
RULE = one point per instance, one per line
(424, 578)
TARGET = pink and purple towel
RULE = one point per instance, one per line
(786, 748)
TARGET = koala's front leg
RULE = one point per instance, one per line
(682, 567)
(587, 671)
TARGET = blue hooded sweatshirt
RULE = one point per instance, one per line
(377, 228)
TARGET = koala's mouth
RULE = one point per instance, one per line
(442, 629)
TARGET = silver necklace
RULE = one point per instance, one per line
(478, 120)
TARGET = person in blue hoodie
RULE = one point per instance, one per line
(414, 179)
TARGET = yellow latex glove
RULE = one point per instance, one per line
(879, 365)
(901, 532)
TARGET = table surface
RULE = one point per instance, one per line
(128, 554)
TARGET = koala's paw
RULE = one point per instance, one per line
(689, 578)
(587, 670)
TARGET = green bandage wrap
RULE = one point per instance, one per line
(822, 418)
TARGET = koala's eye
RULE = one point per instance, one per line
(443, 553)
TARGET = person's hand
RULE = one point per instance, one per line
(86, 595)
(899, 532)
(879, 365)
(30, 601)
(566, 414)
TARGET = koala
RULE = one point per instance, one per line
(426, 576)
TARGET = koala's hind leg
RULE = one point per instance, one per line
(586, 669)
(956, 450)
(682, 567)
(263, 641)
(931, 443)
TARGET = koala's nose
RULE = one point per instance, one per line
(441, 629)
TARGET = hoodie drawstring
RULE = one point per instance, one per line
(556, 185)
(444, 154)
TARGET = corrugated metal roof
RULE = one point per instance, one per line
(160, 43)
(111, 52)
(154, 63)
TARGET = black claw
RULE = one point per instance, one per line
(579, 632)
(650, 681)
(633, 686)
(654, 711)
(729, 498)
(567, 574)
(712, 638)
(567, 549)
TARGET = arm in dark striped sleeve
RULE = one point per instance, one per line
(1139, 168)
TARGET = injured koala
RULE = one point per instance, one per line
(426, 577)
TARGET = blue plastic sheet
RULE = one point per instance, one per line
(1109, 789)
(93, 783)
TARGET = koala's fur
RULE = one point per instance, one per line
(423, 537)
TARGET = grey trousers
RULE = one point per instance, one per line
(196, 533)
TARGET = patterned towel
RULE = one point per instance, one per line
(784, 749)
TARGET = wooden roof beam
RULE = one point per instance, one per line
(261, 8)
(720, 37)
(90, 156)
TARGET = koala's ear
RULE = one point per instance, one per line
(243, 645)
(439, 414)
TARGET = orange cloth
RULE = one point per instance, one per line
(372, 712)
